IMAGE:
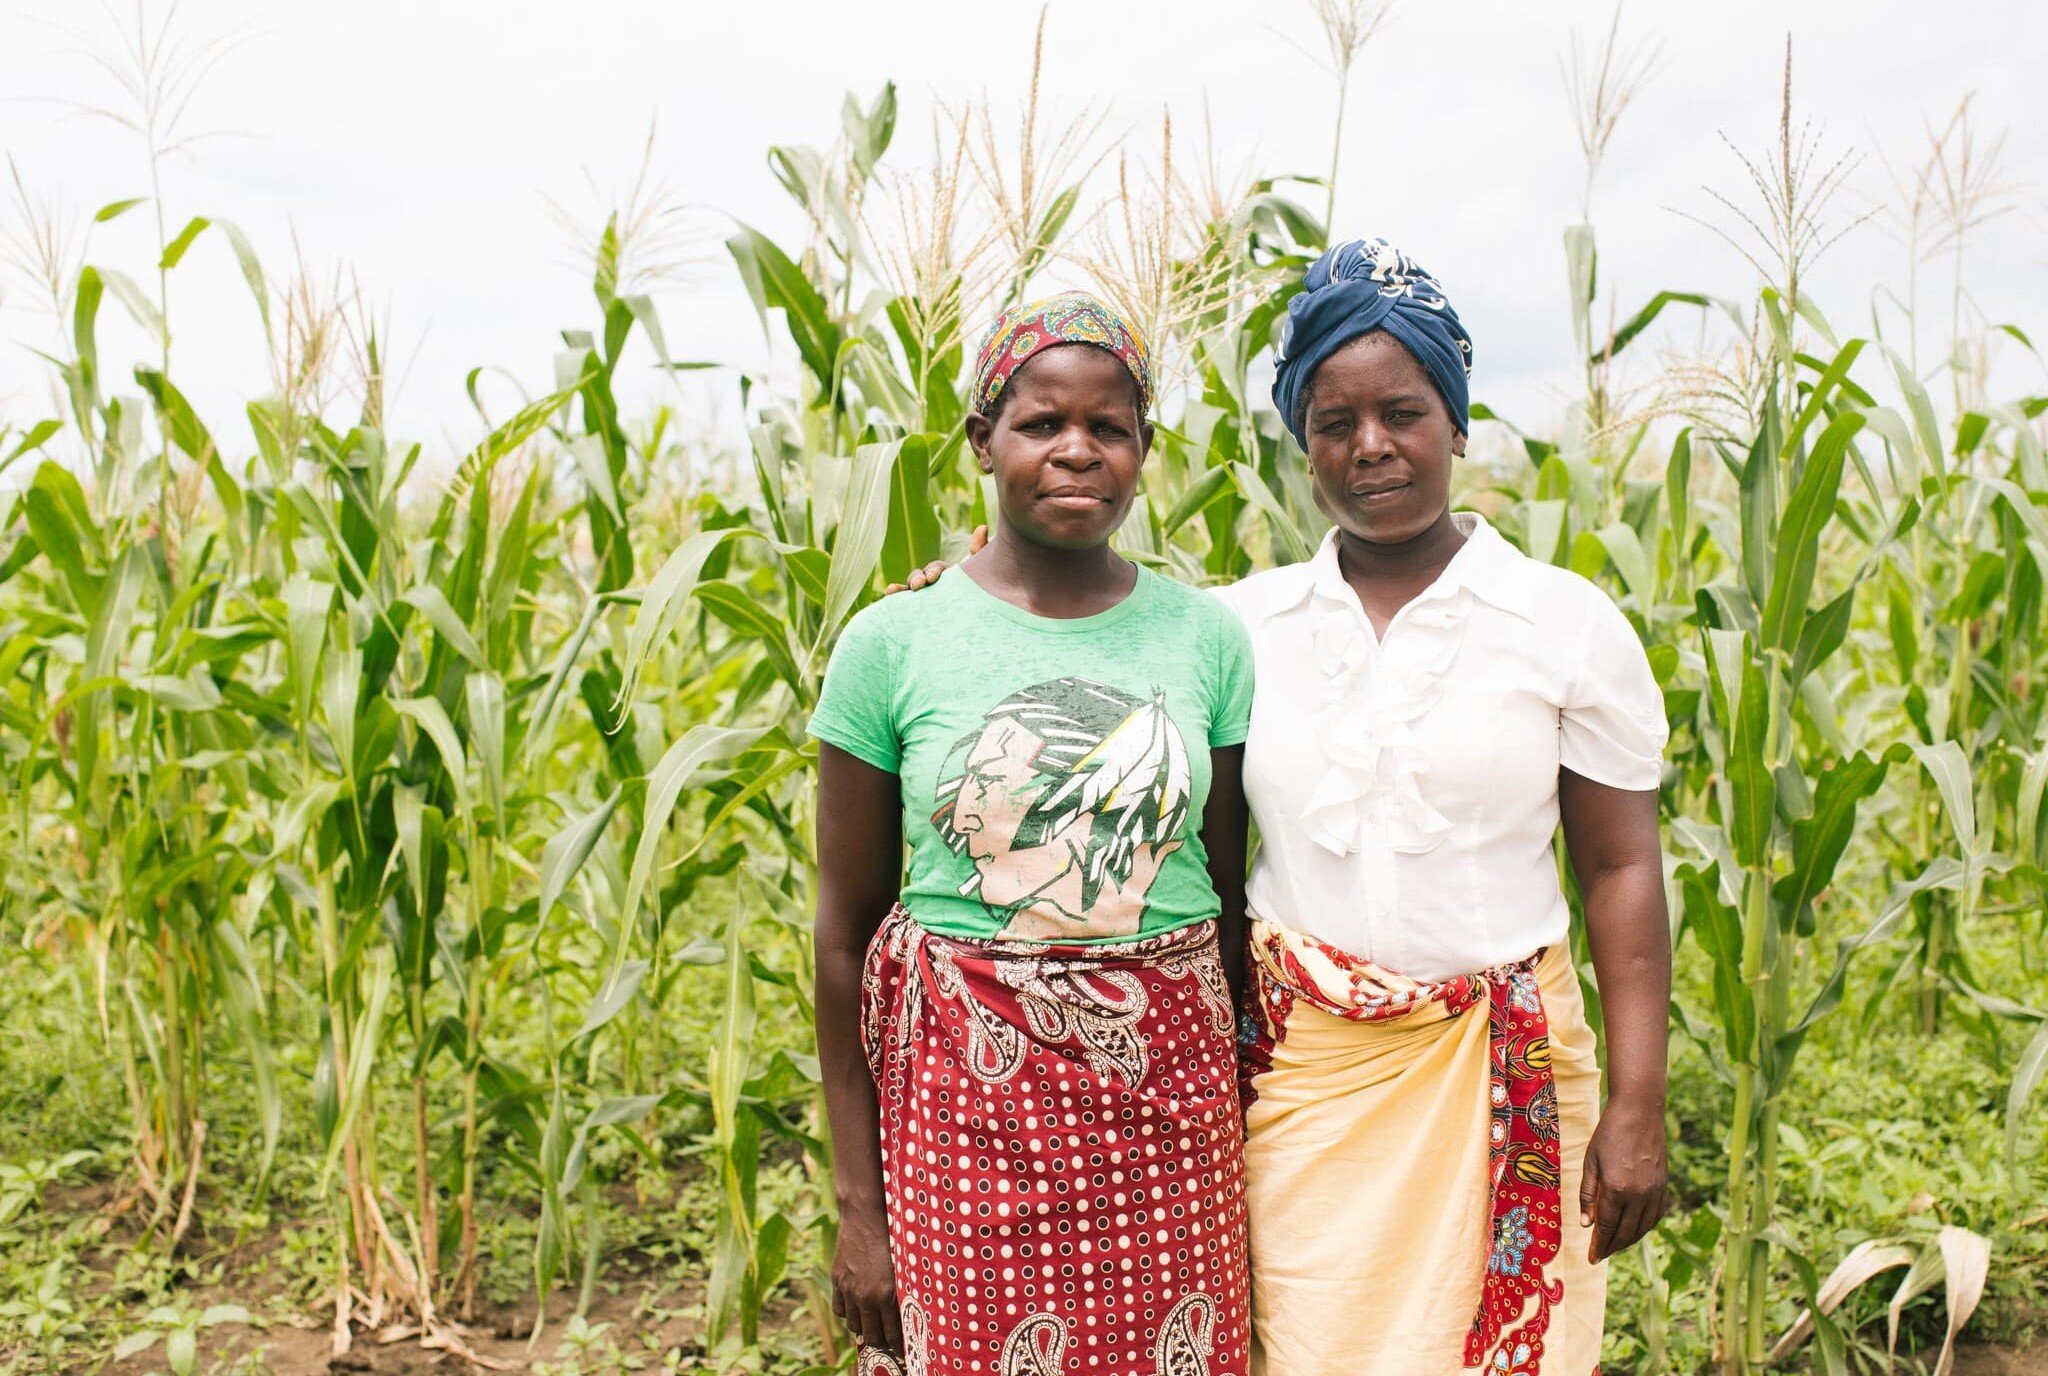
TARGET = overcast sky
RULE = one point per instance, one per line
(419, 142)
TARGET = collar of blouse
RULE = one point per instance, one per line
(1370, 698)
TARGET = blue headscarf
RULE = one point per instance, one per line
(1358, 287)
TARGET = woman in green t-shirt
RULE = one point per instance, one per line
(1039, 1156)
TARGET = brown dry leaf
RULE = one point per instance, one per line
(1966, 1256)
(1865, 1260)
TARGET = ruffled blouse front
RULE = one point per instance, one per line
(1405, 787)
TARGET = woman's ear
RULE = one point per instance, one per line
(1458, 444)
(1144, 439)
(979, 429)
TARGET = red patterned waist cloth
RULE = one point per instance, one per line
(1525, 1212)
(1062, 1152)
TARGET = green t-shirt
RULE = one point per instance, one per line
(1053, 771)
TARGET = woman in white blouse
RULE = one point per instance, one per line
(1434, 1184)
(1433, 1181)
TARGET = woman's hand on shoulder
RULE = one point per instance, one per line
(930, 573)
(864, 1279)
(1626, 1185)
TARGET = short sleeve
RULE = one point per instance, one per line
(856, 707)
(1231, 720)
(1611, 727)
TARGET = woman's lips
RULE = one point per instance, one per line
(1373, 496)
(1075, 498)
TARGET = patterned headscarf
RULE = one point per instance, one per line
(1071, 318)
(1354, 289)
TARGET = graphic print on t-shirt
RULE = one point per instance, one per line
(1066, 800)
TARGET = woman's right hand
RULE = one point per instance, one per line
(929, 574)
(864, 1280)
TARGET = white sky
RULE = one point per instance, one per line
(418, 142)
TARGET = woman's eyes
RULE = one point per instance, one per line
(1047, 427)
(1339, 427)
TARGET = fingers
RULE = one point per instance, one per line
(979, 540)
(1633, 1223)
(873, 1320)
(1608, 1207)
(1589, 1189)
(1625, 1217)
(892, 1323)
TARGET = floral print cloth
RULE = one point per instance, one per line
(1071, 318)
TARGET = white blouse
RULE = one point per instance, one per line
(1405, 787)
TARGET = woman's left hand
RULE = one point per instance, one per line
(1624, 1190)
(930, 573)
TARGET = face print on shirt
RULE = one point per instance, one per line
(1067, 800)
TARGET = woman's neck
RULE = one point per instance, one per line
(1051, 582)
(1414, 561)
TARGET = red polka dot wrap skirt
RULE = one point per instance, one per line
(1063, 1154)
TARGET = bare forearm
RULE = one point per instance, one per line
(1631, 940)
(860, 859)
(853, 1115)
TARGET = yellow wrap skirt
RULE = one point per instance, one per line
(1372, 1169)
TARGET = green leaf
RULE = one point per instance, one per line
(1943, 872)
(2027, 1075)
(662, 603)
(776, 282)
(55, 509)
(1822, 635)
(1292, 538)
(34, 438)
(432, 718)
(1625, 548)
(1819, 840)
(181, 1350)
(1950, 768)
(139, 306)
(612, 997)
(1718, 928)
(484, 695)
(606, 1113)
(1749, 770)
(432, 603)
(863, 526)
(135, 1343)
(114, 210)
(700, 746)
(1798, 542)
(912, 540)
(568, 848)
(1200, 495)
(196, 693)
(180, 422)
(1647, 316)
(174, 252)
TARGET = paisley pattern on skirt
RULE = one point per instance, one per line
(1062, 1153)
(1525, 1222)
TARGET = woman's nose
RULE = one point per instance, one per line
(1076, 448)
(1373, 443)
